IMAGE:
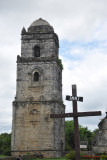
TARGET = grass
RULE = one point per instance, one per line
(50, 159)
(54, 159)
(1, 156)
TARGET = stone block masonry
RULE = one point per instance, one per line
(100, 140)
(38, 94)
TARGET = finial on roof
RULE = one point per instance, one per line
(23, 30)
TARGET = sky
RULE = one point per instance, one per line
(82, 29)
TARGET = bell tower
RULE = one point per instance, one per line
(38, 94)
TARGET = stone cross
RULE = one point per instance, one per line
(75, 116)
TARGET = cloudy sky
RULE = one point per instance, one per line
(82, 29)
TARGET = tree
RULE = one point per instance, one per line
(84, 133)
(5, 144)
(69, 135)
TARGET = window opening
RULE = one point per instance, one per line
(36, 76)
(36, 51)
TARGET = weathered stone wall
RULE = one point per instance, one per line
(49, 87)
(100, 141)
(33, 131)
(45, 42)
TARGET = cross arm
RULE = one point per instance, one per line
(61, 115)
(78, 114)
(92, 113)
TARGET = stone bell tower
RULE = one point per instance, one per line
(38, 94)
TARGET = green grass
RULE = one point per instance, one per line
(54, 159)
(1, 156)
(50, 159)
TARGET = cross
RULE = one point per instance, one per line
(75, 116)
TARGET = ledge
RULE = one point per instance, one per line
(35, 59)
(16, 102)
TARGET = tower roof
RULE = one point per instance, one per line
(40, 22)
(40, 26)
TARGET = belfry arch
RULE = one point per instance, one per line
(36, 51)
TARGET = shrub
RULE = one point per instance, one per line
(7, 152)
(103, 157)
(86, 157)
(59, 61)
(71, 155)
(91, 157)
(96, 157)
(68, 147)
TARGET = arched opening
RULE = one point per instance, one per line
(36, 51)
(36, 76)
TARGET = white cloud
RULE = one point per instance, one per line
(90, 75)
(73, 20)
